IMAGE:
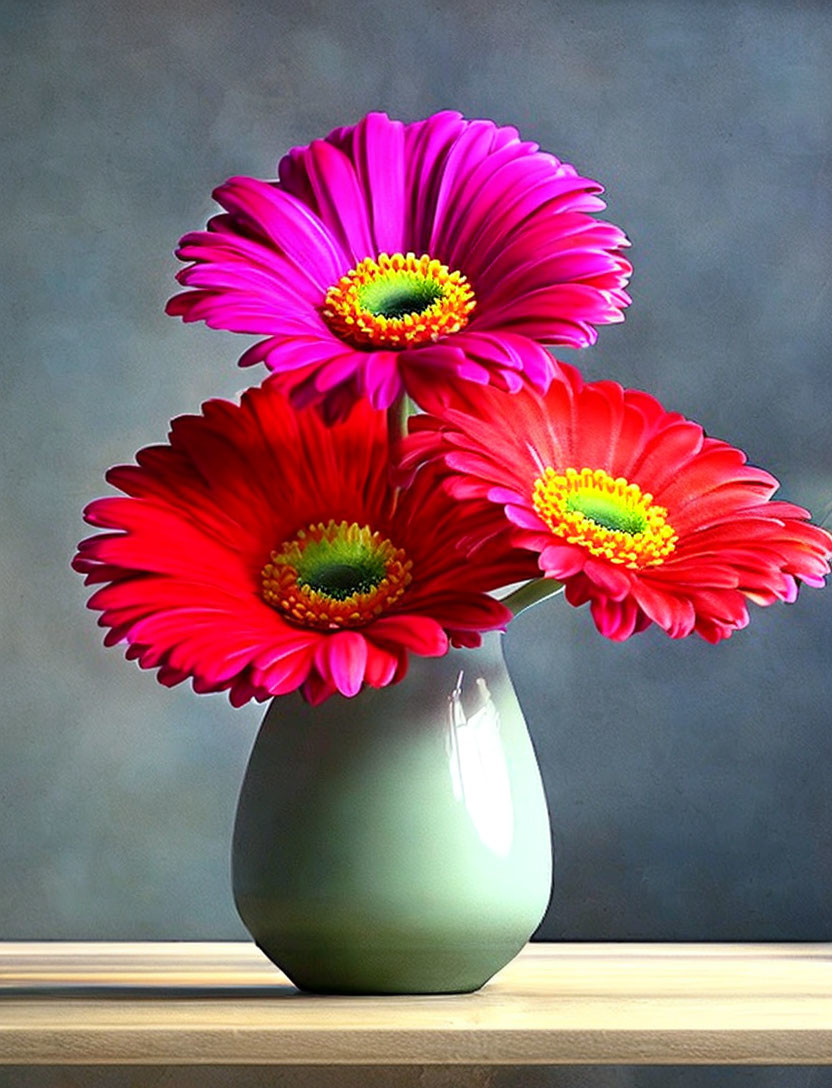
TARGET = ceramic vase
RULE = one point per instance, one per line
(397, 842)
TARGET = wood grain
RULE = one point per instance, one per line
(224, 1003)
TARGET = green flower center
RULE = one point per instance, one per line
(608, 513)
(340, 568)
(399, 293)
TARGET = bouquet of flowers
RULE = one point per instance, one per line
(416, 470)
(321, 531)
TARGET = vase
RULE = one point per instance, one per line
(396, 842)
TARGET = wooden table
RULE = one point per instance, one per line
(225, 1004)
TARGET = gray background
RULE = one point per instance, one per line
(689, 784)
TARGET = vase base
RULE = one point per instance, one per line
(368, 972)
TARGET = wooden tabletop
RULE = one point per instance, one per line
(224, 1003)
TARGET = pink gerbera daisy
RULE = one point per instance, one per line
(633, 508)
(261, 551)
(390, 255)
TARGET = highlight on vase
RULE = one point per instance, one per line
(262, 551)
(388, 258)
(632, 508)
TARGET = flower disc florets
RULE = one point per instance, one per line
(335, 575)
(608, 516)
(398, 301)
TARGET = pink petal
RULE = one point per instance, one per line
(379, 156)
(562, 560)
(382, 381)
(339, 198)
(289, 224)
(524, 518)
(343, 658)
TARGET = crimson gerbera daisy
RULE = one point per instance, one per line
(632, 507)
(388, 255)
(261, 551)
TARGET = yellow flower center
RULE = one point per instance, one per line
(398, 301)
(609, 517)
(335, 575)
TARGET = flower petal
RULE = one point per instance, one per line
(342, 657)
(179, 570)
(718, 539)
(516, 222)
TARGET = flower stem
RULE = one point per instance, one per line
(397, 419)
(530, 593)
(397, 416)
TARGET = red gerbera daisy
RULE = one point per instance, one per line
(632, 507)
(262, 551)
(389, 255)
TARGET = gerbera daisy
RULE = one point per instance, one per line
(631, 507)
(389, 256)
(261, 551)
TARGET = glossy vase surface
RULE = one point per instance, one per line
(396, 842)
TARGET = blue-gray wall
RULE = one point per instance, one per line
(689, 785)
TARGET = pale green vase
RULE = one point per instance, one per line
(397, 842)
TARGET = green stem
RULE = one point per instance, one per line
(397, 419)
(530, 593)
(397, 416)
